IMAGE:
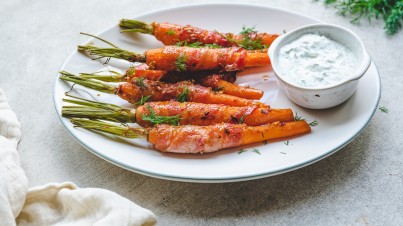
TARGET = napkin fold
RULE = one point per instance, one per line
(54, 203)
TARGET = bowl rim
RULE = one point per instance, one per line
(273, 50)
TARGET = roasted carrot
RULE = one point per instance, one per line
(180, 58)
(221, 85)
(139, 88)
(214, 81)
(174, 113)
(174, 34)
(200, 139)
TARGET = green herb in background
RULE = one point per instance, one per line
(391, 11)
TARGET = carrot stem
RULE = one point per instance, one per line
(113, 52)
(99, 126)
(136, 26)
(83, 108)
(100, 75)
(92, 84)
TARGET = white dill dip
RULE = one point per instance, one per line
(314, 60)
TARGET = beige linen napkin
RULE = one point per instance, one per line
(54, 204)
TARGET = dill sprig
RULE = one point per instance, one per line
(391, 11)
(384, 109)
(217, 89)
(140, 82)
(299, 118)
(180, 63)
(184, 95)
(142, 101)
(242, 151)
(249, 43)
(158, 119)
(256, 151)
(198, 45)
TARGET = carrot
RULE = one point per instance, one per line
(174, 34)
(200, 139)
(214, 81)
(174, 58)
(221, 85)
(139, 88)
(174, 113)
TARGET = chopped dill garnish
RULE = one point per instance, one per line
(217, 89)
(198, 45)
(256, 151)
(247, 42)
(241, 120)
(283, 153)
(180, 63)
(242, 151)
(142, 100)
(384, 109)
(158, 119)
(170, 32)
(247, 30)
(213, 46)
(313, 123)
(140, 82)
(287, 142)
(298, 118)
(284, 31)
(184, 95)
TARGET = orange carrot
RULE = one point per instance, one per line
(221, 85)
(200, 139)
(214, 81)
(140, 88)
(174, 113)
(175, 58)
(174, 34)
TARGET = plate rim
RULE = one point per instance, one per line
(213, 179)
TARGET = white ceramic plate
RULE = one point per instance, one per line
(337, 126)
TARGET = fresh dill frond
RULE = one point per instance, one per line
(298, 118)
(184, 95)
(247, 30)
(256, 151)
(391, 11)
(180, 63)
(249, 43)
(241, 120)
(384, 109)
(140, 82)
(252, 44)
(213, 46)
(217, 89)
(155, 119)
(314, 123)
(142, 100)
(242, 151)
(170, 32)
(287, 142)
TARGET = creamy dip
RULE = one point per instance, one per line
(314, 60)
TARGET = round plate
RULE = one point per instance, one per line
(336, 126)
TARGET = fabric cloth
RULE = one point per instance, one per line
(54, 204)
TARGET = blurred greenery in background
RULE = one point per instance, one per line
(391, 11)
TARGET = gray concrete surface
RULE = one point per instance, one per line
(359, 185)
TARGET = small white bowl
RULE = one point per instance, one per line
(327, 96)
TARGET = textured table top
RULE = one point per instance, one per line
(359, 185)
